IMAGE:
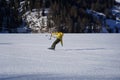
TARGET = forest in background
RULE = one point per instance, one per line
(70, 16)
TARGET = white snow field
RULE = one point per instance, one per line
(83, 57)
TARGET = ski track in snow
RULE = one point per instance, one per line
(82, 57)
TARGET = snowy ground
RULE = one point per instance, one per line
(117, 0)
(83, 57)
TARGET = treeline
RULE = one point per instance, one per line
(68, 15)
(72, 17)
(9, 15)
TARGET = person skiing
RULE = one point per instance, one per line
(58, 36)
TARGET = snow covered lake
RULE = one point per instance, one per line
(82, 57)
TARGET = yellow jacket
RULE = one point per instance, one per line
(58, 35)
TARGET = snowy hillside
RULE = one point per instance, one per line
(70, 16)
(36, 21)
(117, 1)
(108, 24)
(83, 57)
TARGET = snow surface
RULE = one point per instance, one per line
(83, 57)
(117, 0)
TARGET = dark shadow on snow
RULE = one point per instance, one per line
(56, 77)
(85, 49)
(5, 43)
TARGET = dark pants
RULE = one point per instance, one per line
(54, 43)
